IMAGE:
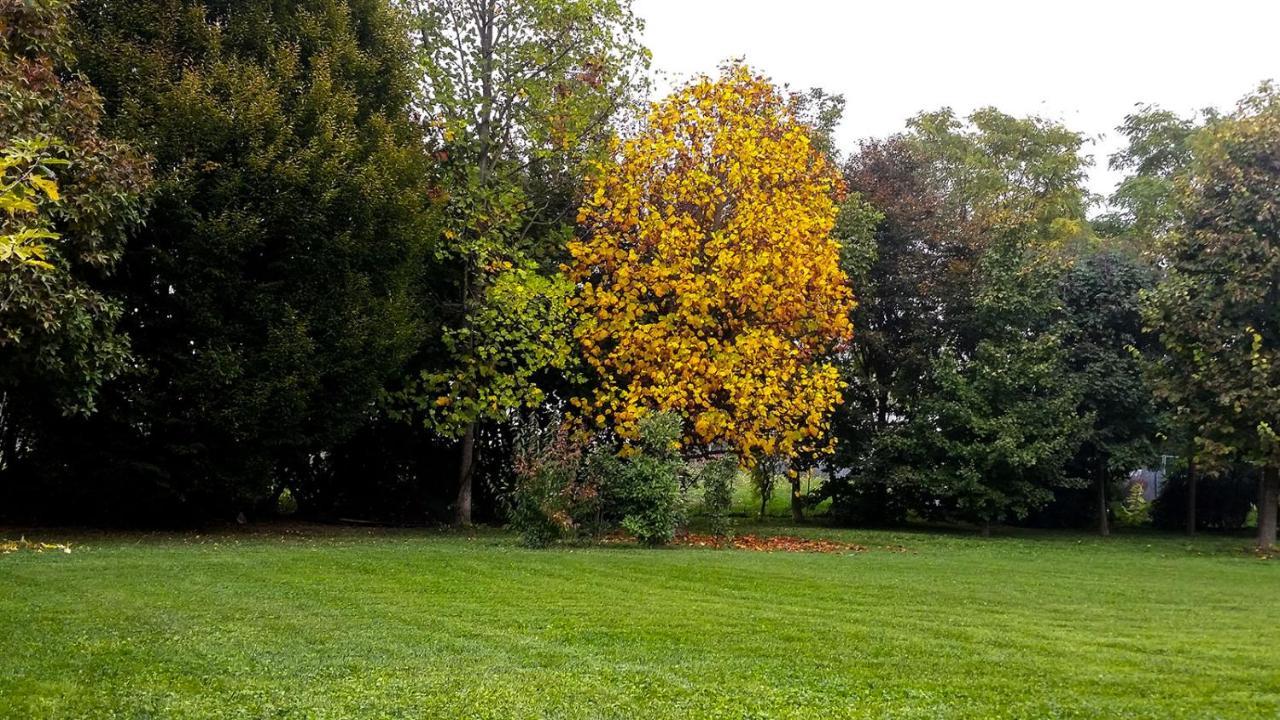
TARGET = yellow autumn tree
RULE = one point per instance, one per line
(708, 281)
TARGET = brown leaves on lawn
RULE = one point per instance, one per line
(770, 543)
(761, 543)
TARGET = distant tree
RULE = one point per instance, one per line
(821, 111)
(1144, 215)
(710, 286)
(68, 192)
(273, 291)
(1216, 309)
(1003, 174)
(900, 251)
(1157, 153)
(962, 362)
(522, 94)
(1104, 337)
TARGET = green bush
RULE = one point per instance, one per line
(642, 485)
(286, 503)
(1135, 511)
(716, 478)
(552, 499)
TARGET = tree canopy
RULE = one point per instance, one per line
(68, 193)
(274, 287)
(709, 284)
(345, 256)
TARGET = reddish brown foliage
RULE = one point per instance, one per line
(769, 543)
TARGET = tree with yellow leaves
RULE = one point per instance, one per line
(708, 282)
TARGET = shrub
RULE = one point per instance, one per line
(717, 478)
(1135, 511)
(551, 499)
(286, 503)
(642, 484)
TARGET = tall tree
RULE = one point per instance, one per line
(710, 285)
(1103, 332)
(68, 192)
(901, 252)
(273, 290)
(523, 93)
(1216, 310)
(962, 361)
(1157, 152)
(1144, 214)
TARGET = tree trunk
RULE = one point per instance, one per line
(8, 433)
(986, 528)
(797, 500)
(8, 445)
(1268, 497)
(462, 508)
(764, 503)
(1104, 528)
(1191, 495)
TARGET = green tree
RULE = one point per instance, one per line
(275, 286)
(899, 252)
(522, 94)
(1144, 215)
(991, 441)
(1216, 308)
(1104, 336)
(963, 405)
(1158, 151)
(67, 194)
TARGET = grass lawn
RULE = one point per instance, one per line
(354, 624)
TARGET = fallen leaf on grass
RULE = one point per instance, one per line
(770, 543)
(760, 543)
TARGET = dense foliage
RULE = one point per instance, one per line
(1103, 330)
(961, 406)
(274, 288)
(709, 285)
(68, 193)
(567, 489)
(1218, 308)
(358, 254)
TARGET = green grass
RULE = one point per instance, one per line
(423, 625)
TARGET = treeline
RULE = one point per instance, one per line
(356, 253)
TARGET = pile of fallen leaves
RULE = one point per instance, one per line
(759, 543)
(12, 546)
(769, 543)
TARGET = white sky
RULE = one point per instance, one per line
(1084, 62)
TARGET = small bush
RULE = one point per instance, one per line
(642, 486)
(551, 499)
(286, 503)
(717, 478)
(1135, 511)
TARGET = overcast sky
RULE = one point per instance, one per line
(1084, 62)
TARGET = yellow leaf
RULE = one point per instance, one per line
(49, 187)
